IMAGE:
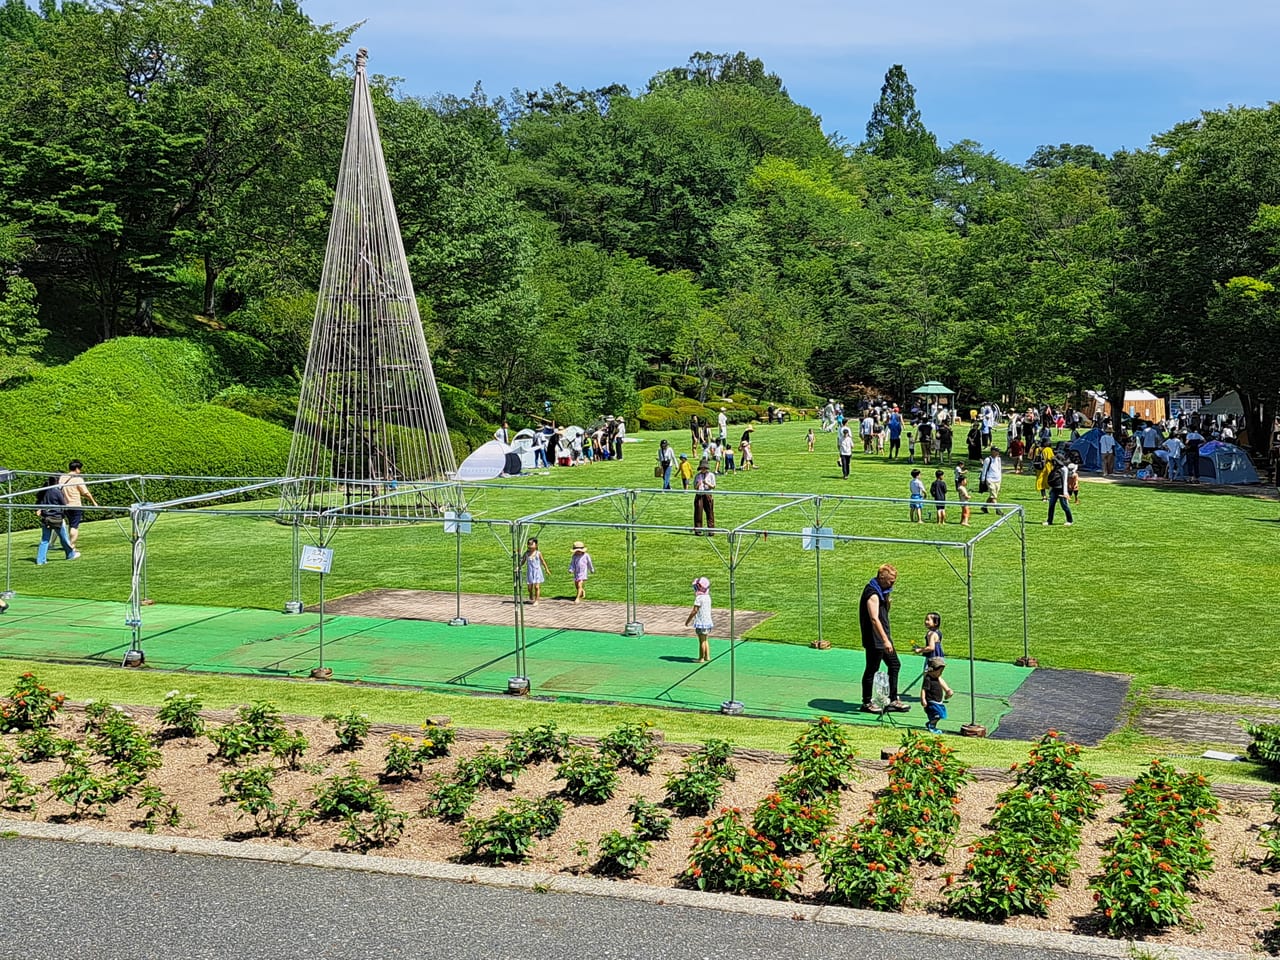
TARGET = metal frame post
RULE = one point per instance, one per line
(733, 706)
(518, 685)
(8, 541)
(817, 560)
(633, 628)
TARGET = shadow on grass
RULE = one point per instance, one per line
(827, 705)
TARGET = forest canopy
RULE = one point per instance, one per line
(167, 166)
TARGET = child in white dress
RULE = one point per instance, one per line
(700, 617)
(535, 570)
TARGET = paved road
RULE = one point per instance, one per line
(91, 902)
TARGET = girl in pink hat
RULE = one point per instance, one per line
(700, 617)
(581, 567)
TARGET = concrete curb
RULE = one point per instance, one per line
(512, 878)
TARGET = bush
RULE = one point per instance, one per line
(869, 867)
(351, 729)
(450, 800)
(654, 417)
(648, 820)
(823, 760)
(588, 778)
(683, 383)
(30, 705)
(257, 729)
(179, 716)
(508, 835)
(660, 395)
(1265, 748)
(338, 797)
(538, 744)
(622, 854)
(729, 856)
(632, 745)
(794, 826)
(693, 791)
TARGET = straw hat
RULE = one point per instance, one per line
(579, 547)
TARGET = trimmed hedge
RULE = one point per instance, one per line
(654, 417)
(661, 395)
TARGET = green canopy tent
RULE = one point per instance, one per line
(933, 389)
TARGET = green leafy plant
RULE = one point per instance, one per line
(1269, 835)
(290, 749)
(622, 854)
(30, 705)
(351, 728)
(823, 760)
(632, 745)
(693, 791)
(714, 755)
(541, 744)
(1006, 874)
(257, 729)
(450, 800)
(250, 789)
(95, 712)
(79, 787)
(868, 867)
(179, 716)
(729, 856)
(648, 820)
(588, 777)
(17, 790)
(157, 809)
(404, 760)
(373, 829)
(508, 835)
(42, 744)
(340, 796)
(794, 826)
(1265, 745)
(494, 769)
(120, 740)
(436, 740)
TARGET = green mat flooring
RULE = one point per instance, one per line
(770, 679)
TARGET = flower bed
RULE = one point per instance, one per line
(300, 784)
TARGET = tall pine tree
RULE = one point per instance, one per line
(895, 130)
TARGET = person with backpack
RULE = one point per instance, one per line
(1056, 481)
(1045, 461)
(991, 477)
(52, 514)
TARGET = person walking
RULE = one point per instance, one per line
(877, 642)
(704, 501)
(1107, 447)
(581, 567)
(991, 477)
(1191, 451)
(666, 461)
(846, 451)
(894, 426)
(1042, 478)
(686, 471)
(52, 514)
(700, 617)
(74, 489)
(809, 439)
(938, 490)
(1056, 481)
(535, 570)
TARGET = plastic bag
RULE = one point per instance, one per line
(880, 689)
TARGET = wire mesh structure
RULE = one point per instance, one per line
(369, 416)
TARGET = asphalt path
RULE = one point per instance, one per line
(96, 902)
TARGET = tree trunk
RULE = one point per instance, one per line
(210, 283)
(1258, 417)
(1115, 397)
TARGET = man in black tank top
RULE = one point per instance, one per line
(873, 619)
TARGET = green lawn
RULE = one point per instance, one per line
(1148, 581)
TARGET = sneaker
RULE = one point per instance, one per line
(75, 555)
(931, 728)
(1046, 524)
(1067, 524)
(897, 706)
(871, 708)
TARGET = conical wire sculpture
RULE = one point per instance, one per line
(370, 438)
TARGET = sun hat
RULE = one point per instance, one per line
(936, 663)
(579, 546)
(684, 456)
(701, 584)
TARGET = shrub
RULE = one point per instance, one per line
(406, 756)
(158, 810)
(869, 867)
(659, 418)
(17, 791)
(450, 800)
(381, 826)
(823, 760)
(508, 835)
(1265, 745)
(257, 729)
(714, 756)
(351, 728)
(249, 788)
(632, 745)
(622, 854)
(649, 821)
(588, 777)
(79, 787)
(731, 857)
(659, 394)
(290, 749)
(122, 742)
(693, 791)
(41, 744)
(492, 768)
(30, 705)
(179, 715)
(340, 796)
(538, 744)
(1269, 835)
(794, 826)
(689, 386)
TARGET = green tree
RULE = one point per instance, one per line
(896, 130)
(20, 332)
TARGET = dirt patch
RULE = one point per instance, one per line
(1227, 904)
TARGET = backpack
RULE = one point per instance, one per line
(1056, 475)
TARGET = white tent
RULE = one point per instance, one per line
(522, 444)
(486, 462)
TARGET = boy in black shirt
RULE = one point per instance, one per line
(938, 490)
(934, 693)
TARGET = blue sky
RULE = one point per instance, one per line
(1011, 74)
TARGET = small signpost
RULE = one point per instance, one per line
(457, 522)
(318, 560)
(817, 539)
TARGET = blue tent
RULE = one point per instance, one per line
(1226, 463)
(1089, 446)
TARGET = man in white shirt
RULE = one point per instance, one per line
(992, 475)
(1107, 447)
(704, 503)
(723, 421)
(1174, 446)
(866, 429)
